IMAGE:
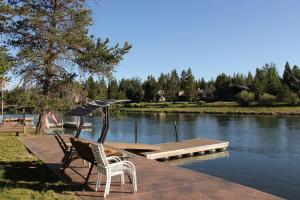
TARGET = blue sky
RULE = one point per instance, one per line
(209, 36)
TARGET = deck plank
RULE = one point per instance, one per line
(155, 180)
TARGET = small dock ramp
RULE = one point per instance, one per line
(198, 146)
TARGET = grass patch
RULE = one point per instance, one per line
(213, 108)
(23, 176)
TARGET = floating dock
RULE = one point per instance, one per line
(197, 146)
(164, 151)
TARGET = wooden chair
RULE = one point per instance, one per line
(70, 153)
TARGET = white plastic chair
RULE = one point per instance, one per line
(112, 169)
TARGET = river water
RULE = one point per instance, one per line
(264, 151)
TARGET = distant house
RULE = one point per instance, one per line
(181, 95)
(205, 94)
(161, 95)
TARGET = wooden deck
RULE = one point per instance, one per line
(12, 127)
(186, 147)
(155, 180)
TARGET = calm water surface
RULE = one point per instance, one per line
(264, 151)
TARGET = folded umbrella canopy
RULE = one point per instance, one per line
(88, 108)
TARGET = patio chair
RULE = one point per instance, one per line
(84, 150)
(112, 169)
(70, 153)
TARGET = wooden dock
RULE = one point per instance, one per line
(197, 146)
(12, 127)
(156, 180)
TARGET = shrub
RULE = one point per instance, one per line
(266, 99)
(201, 103)
(245, 98)
(294, 99)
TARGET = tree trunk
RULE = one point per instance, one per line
(40, 126)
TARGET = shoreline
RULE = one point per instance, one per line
(277, 111)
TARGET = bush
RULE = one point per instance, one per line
(294, 99)
(266, 99)
(200, 103)
(245, 98)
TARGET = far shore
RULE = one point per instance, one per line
(213, 108)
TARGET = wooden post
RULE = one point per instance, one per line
(24, 121)
(135, 132)
(2, 104)
(176, 132)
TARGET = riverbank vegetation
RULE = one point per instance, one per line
(23, 176)
(265, 88)
(212, 108)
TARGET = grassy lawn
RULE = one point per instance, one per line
(23, 176)
(217, 108)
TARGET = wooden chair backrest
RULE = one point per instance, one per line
(83, 149)
(61, 144)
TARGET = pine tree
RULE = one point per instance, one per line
(150, 88)
(190, 85)
(249, 79)
(102, 88)
(202, 84)
(112, 90)
(173, 86)
(287, 74)
(222, 85)
(53, 46)
(183, 78)
(91, 88)
(162, 82)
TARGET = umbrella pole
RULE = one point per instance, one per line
(105, 125)
(79, 127)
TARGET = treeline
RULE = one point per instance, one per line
(266, 86)
(185, 87)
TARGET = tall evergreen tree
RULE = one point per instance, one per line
(162, 82)
(202, 84)
(173, 86)
(287, 74)
(249, 79)
(134, 90)
(222, 85)
(102, 88)
(150, 88)
(52, 46)
(190, 85)
(91, 88)
(238, 79)
(183, 79)
(112, 89)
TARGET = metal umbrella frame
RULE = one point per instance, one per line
(89, 107)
